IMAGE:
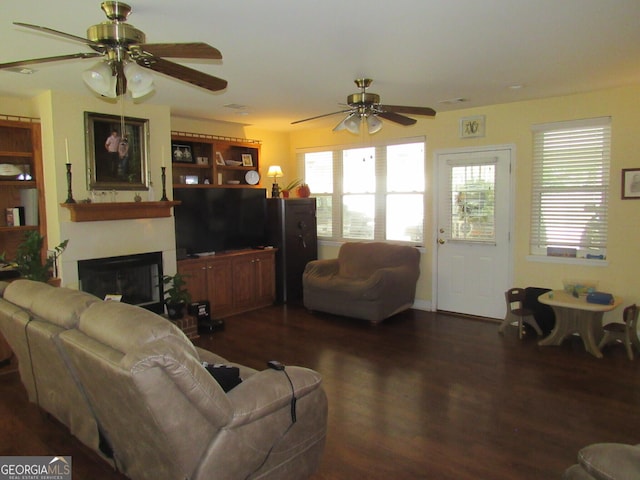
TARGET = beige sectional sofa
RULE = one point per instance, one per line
(121, 376)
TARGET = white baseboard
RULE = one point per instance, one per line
(422, 305)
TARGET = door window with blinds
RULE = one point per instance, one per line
(368, 193)
(472, 202)
(570, 190)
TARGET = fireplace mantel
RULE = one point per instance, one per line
(97, 212)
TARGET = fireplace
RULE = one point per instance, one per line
(137, 278)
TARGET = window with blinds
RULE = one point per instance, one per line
(368, 193)
(570, 188)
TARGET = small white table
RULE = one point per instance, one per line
(576, 315)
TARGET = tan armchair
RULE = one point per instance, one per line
(371, 281)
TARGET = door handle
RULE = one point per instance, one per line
(441, 241)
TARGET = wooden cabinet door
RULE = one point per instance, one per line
(265, 287)
(220, 284)
(195, 273)
(244, 280)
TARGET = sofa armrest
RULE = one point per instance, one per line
(321, 268)
(611, 461)
(212, 358)
(269, 391)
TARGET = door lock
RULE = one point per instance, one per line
(441, 241)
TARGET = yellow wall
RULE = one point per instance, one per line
(510, 124)
(506, 124)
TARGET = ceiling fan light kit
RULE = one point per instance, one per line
(127, 58)
(366, 107)
(139, 81)
(100, 79)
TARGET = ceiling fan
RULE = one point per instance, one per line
(124, 50)
(366, 107)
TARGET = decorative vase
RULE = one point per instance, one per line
(285, 193)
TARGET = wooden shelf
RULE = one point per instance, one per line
(18, 183)
(98, 212)
(23, 228)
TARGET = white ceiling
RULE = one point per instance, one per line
(292, 59)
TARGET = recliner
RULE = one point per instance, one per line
(135, 378)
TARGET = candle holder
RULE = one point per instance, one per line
(69, 192)
(164, 185)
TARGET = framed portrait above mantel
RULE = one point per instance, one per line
(117, 152)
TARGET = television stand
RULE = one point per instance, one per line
(232, 282)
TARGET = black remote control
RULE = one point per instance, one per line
(276, 365)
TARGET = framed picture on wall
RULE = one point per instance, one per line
(117, 150)
(630, 183)
(472, 127)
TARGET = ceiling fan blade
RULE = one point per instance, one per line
(96, 46)
(22, 63)
(430, 112)
(182, 50)
(186, 74)
(397, 118)
(321, 116)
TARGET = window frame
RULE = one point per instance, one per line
(380, 193)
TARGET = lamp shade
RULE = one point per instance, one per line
(274, 171)
(101, 80)
(374, 123)
(352, 123)
(139, 81)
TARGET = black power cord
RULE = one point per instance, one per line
(275, 365)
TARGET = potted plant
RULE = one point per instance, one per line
(176, 296)
(293, 184)
(29, 258)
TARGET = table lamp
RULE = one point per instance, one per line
(275, 171)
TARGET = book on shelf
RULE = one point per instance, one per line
(15, 216)
(29, 198)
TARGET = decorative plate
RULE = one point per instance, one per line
(252, 177)
(9, 170)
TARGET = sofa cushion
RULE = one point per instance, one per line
(60, 306)
(23, 292)
(606, 461)
(106, 322)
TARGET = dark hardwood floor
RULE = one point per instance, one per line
(422, 395)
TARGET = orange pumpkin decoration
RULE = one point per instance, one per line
(303, 191)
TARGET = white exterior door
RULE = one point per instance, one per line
(473, 258)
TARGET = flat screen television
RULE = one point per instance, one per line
(220, 219)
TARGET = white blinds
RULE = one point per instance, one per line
(570, 188)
